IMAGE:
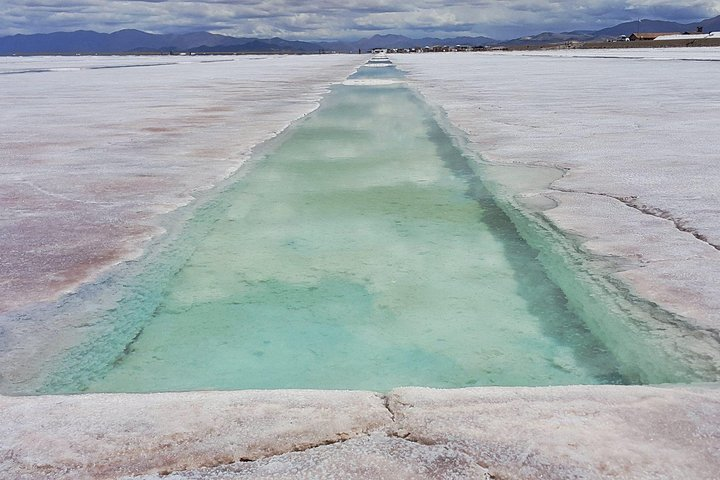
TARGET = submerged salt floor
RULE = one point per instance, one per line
(362, 253)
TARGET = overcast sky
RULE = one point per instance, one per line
(329, 19)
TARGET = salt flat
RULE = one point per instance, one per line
(93, 149)
(637, 133)
(610, 127)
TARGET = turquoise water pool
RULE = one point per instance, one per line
(363, 252)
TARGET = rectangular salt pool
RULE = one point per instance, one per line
(363, 252)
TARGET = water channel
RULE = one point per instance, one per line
(362, 252)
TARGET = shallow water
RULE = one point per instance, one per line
(362, 253)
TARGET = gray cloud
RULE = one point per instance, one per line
(324, 19)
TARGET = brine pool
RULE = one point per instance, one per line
(362, 252)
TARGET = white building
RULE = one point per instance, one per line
(688, 36)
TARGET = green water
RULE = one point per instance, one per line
(362, 253)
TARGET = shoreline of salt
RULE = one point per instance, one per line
(659, 432)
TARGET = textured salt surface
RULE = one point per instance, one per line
(93, 149)
(593, 432)
(637, 131)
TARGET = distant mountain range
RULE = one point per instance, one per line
(136, 41)
(627, 28)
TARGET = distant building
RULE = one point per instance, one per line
(649, 36)
(683, 36)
